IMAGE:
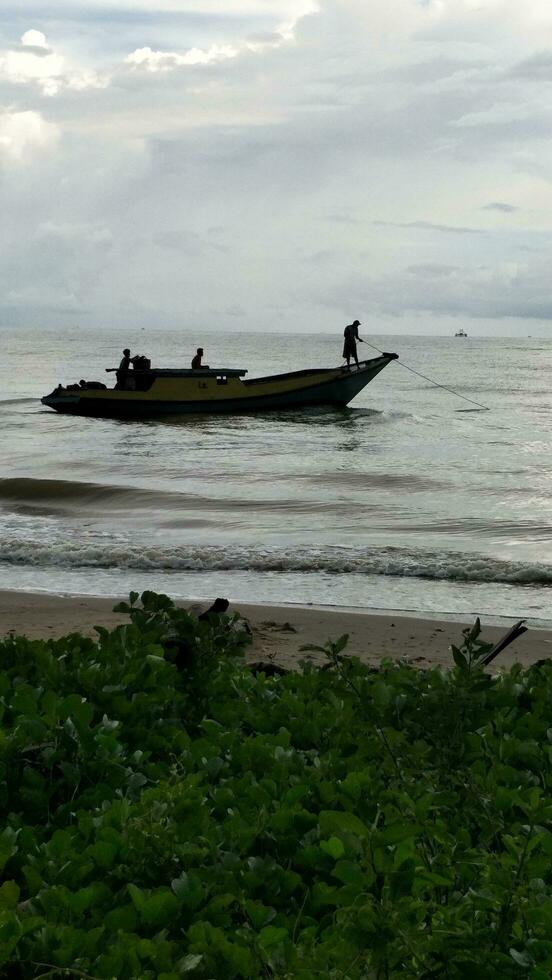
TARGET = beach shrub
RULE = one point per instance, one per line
(168, 813)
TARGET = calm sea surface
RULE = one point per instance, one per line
(398, 502)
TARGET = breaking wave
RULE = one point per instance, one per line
(393, 562)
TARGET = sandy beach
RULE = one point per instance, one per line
(279, 632)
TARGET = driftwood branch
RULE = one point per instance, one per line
(515, 631)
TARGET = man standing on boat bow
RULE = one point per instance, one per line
(349, 347)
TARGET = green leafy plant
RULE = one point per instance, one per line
(168, 813)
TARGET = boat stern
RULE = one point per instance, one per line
(61, 400)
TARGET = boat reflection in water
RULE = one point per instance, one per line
(175, 391)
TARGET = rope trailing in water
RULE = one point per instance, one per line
(484, 408)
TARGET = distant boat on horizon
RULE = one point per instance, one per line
(461, 333)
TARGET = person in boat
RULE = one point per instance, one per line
(91, 385)
(123, 369)
(350, 343)
(196, 361)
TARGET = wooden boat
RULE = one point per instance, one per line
(174, 391)
(461, 333)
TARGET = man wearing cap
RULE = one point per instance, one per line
(349, 347)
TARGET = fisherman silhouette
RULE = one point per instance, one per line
(349, 347)
(196, 361)
(123, 369)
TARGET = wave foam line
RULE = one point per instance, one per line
(393, 562)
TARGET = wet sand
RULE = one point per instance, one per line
(279, 632)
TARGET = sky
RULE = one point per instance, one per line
(278, 165)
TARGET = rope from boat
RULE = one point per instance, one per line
(484, 408)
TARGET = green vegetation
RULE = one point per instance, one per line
(168, 813)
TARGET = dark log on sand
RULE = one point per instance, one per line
(518, 629)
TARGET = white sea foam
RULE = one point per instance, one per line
(392, 562)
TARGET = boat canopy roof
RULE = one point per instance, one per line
(196, 373)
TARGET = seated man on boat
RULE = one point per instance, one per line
(196, 361)
(349, 347)
(91, 385)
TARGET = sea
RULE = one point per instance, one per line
(411, 499)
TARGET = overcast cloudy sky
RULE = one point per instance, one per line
(277, 164)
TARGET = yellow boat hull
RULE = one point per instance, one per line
(174, 393)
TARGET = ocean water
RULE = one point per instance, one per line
(402, 501)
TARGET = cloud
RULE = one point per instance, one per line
(35, 39)
(35, 62)
(25, 134)
(431, 226)
(107, 9)
(499, 206)
(340, 152)
(342, 218)
(433, 270)
(156, 61)
(538, 67)
(505, 291)
(91, 233)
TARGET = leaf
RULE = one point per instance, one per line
(10, 934)
(333, 847)
(156, 602)
(397, 832)
(124, 918)
(271, 936)
(135, 782)
(459, 658)
(475, 631)
(213, 729)
(138, 897)
(367, 918)
(434, 878)
(8, 845)
(159, 907)
(189, 890)
(340, 644)
(190, 962)
(104, 853)
(523, 958)
(9, 895)
(350, 873)
(86, 898)
(341, 821)
(121, 607)
(259, 914)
